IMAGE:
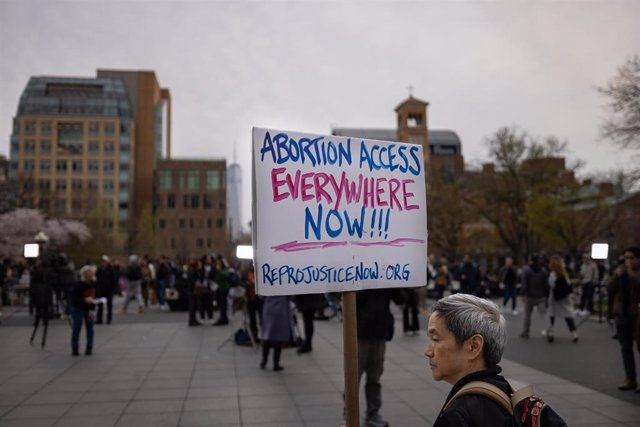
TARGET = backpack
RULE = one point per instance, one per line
(561, 289)
(134, 272)
(526, 408)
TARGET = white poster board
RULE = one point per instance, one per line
(336, 214)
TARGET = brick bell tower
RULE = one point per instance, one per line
(412, 124)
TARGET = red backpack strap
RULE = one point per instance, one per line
(484, 389)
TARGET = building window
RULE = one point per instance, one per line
(109, 148)
(94, 128)
(171, 201)
(215, 180)
(76, 166)
(173, 243)
(165, 178)
(220, 223)
(94, 167)
(185, 201)
(183, 223)
(61, 166)
(76, 205)
(109, 128)
(206, 201)
(209, 243)
(45, 166)
(161, 223)
(107, 186)
(190, 222)
(29, 165)
(70, 137)
(29, 146)
(45, 146)
(45, 128)
(44, 185)
(27, 202)
(195, 201)
(183, 179)
(199, 243)
(209, 222)
(92, 184)
(61, 205)
(94, 148)
(61, 185)
(28, 185)
(30, 127)
(76, 184)
(107, 167)
(193, 180)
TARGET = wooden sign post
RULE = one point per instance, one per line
(350, 339)
(337, 214)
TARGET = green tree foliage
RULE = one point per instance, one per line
(528, 170)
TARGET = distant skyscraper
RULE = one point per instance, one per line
(234, 185)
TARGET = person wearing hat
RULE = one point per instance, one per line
(82, 305)
(106, 285)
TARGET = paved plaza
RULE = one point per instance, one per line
(153, 370)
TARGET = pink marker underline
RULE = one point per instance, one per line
(294, 246)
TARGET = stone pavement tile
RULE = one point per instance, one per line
(51, 398)
(197, 382)
(211, 404)
(113, 386)
(584, 416)
(37, 411)
(267, 401)
(407, 421)
(320, 412)
(563, 388)
(168, 419)
(169, 374)
(596, 400)
(216, 392)
(329, 422)
(257, 390)
(154, 406)
(13, 398)
(280, 425)
(59, 387)
(96, 409)
(270, 415)
(108, 396)
(626, 414)
(104, 420)
(318, 399)
(162, 384)
(209, 418)
(27, 422)
(317, 387)
(161, 393)
(5, 409)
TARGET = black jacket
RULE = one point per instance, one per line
(106, 281)
(535, 282)
(309, 302)
(79, 292)
(373, 314)
(474, 410)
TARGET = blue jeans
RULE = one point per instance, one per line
(510, 294)
(78, 316)
(162, 288)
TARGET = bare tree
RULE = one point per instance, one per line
(623, 104)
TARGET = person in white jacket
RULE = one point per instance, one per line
(560, 300)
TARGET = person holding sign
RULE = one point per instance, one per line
(375, 328)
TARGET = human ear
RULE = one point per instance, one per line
(475, 345)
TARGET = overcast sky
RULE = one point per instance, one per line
(311, 66)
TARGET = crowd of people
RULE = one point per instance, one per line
(210, 290)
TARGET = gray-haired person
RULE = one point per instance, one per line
(467, 336)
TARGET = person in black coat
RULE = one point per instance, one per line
(106, 285)
(41, 297)
(308, 304)
(375, 328)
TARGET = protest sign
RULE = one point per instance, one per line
(336, 214)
